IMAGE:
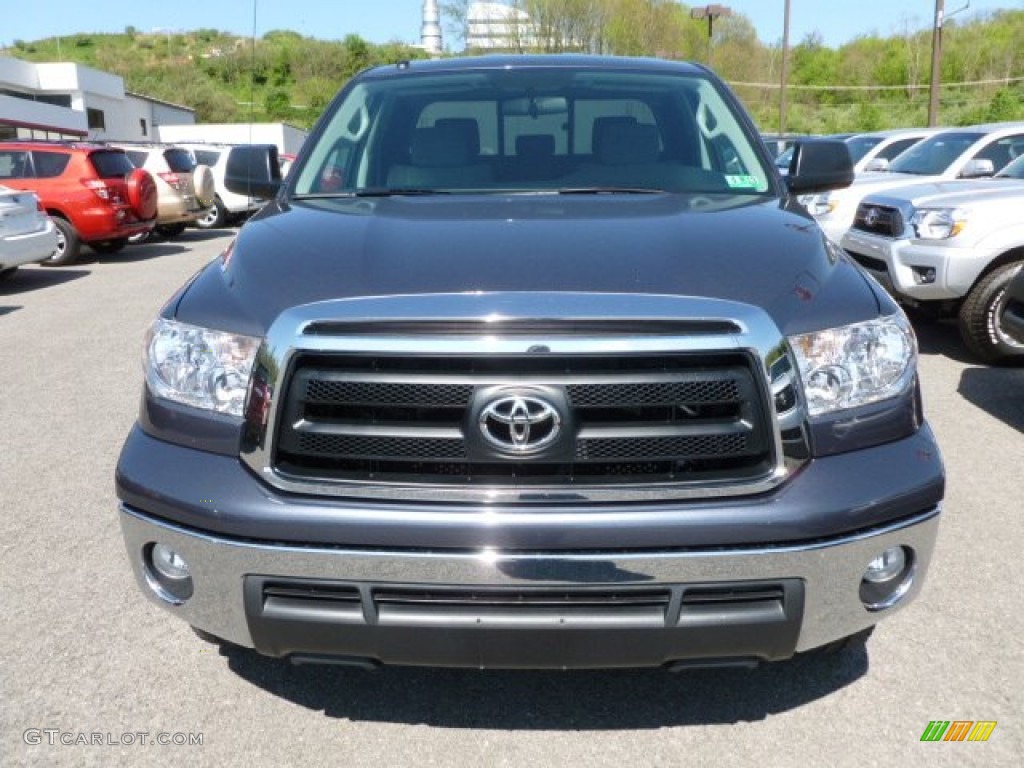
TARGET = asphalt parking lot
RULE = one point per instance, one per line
(82, 653)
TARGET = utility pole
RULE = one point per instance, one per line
(933, 91)
(785, 70)
(710, 12)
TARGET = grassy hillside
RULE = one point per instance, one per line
(225, 78)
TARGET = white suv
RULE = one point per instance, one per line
(227, 206)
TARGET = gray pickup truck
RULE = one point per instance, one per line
(532, 362)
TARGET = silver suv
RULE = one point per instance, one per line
(185, 189)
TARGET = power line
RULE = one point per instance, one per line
(964, 84)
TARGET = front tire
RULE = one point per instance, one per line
(214, 217)
(980, 325)
(69, 245)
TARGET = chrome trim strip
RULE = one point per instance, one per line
(831, 570)
(758, 336)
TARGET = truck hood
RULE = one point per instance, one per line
(870, 183)
(756, 252)
(951, 194)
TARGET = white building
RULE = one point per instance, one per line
(287, 138)
(65, 100)
(498, 27)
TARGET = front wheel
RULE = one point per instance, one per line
(214, 217)
(980, 317)
(68, 245)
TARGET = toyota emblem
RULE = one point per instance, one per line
(520, 424)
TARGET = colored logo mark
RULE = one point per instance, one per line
(958, 730)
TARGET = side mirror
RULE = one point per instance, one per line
(978, 167)
(819, 166)
(877, 164)
(253, 170)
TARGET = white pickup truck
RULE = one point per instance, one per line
(949, 247)
(971, 152)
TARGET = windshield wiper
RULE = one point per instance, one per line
(371, 192)
(610, 191)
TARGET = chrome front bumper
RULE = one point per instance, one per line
(829, 574)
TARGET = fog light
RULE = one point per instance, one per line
(887, 578)
(167, 573)
(924, 275)
(886, 566)
(169, 563)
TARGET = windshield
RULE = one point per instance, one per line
(933, 156)
(861, 145)
(532, 129)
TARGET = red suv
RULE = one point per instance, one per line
(93, 192)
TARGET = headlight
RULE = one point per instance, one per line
(856, 364)
(939, 223)
(198, 366)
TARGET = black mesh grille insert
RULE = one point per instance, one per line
(624, 419)
(666, 393)
(880, 219)
(646, 449)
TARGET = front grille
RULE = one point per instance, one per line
(677, 418)
(879, 219)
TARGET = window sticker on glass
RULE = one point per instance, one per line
(741, 181)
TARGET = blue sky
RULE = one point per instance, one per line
(382, 20)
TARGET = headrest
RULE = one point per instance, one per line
(628, 143)
(535, 145)
(440, 147)
(601, 126)
(466, 127)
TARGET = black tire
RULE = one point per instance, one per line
(6, 273)
(69, 245)
(107, 247)
(214, 217)
(170, 231)
(980, 326)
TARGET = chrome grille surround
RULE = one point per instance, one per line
(504, 322)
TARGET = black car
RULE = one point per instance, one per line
(532, 361)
